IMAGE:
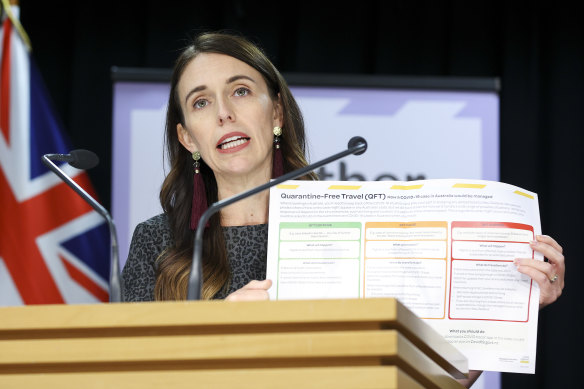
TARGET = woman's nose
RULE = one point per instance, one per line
(225, 111)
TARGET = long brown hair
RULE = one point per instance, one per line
(177, 190)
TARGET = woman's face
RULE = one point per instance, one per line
(229, 115)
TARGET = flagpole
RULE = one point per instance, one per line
(7, 8)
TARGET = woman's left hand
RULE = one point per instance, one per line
(254, 291)
(548, 275)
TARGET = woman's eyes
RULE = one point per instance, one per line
(239, 92)
(202, 103)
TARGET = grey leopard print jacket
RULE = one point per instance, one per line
(246, 251)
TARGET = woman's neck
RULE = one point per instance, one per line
(249, 211)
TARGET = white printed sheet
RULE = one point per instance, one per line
(444, 248)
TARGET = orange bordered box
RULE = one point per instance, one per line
(408, 260)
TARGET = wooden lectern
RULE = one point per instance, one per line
(361, 343)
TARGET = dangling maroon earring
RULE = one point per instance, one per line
(199, 195)
(277, 168)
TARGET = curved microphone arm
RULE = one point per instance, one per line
(357, 145)
(115, 293)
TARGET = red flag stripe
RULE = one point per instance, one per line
(5, 82)
(83, 280)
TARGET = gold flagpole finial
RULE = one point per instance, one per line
(7, 9)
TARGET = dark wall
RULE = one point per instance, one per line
(536, 48)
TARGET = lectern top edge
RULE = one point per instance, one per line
(202, 313)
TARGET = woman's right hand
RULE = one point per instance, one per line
(253, 291)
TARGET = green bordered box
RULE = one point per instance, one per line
(320, 243)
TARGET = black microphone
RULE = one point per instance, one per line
(85, 159)
(80, 159)
(357, 145)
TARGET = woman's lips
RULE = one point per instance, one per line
(232, 142)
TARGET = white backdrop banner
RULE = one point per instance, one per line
(412, 135)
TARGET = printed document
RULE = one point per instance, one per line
(444, 248)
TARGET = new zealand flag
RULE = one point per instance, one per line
(53, 247)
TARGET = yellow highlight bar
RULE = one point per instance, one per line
(345, 187)
(283, 186)
(523, 194)
(470, 186)
(407, 187)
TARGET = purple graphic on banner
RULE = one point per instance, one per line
(480, 105)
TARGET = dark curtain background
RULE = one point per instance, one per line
(536, 48)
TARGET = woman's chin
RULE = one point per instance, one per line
(241, 169)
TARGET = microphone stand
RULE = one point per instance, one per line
(115, 292)
(357, 145)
